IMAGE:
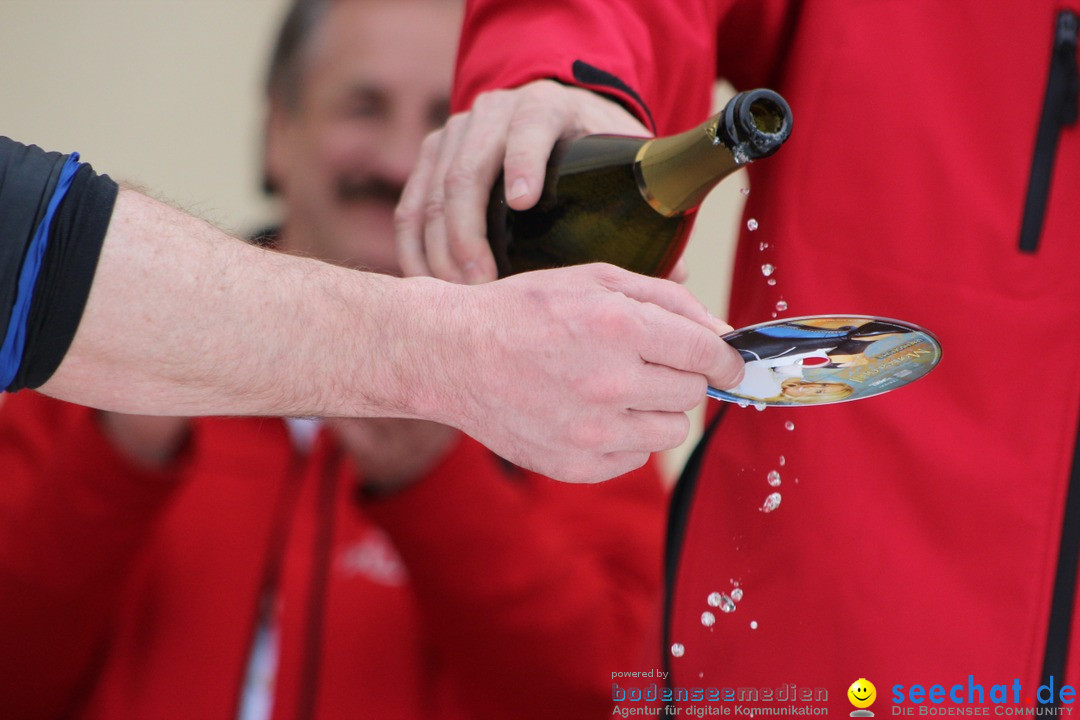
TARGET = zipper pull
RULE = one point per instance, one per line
(1061, 106)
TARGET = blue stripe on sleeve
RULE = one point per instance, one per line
(11, 351)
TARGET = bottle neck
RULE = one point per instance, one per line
(675, 173)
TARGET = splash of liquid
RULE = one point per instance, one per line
(722, 601)
(771, 503)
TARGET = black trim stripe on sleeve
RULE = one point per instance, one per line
(587, 74)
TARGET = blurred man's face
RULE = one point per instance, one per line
(375, 82)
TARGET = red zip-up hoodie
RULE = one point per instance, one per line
(482, 590)
(927, 537)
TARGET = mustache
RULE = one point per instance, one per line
(375, 189)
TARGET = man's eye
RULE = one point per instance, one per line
(364, 103)
(361, 110)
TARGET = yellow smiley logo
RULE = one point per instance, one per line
(862, 693)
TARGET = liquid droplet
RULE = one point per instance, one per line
(771, 281)
(789, 425)
(753, 624)
(783, 461)
(677, 649)
(759, 406)
(767, 269)
(751, 225)
(781, 305)
(774, 478)
(763, 246)
(708, 619)
(736, 594)
(745, 190)
(714, 599)
(771, 503)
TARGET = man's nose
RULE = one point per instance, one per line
(399, 149)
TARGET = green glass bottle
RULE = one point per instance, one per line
(631, 201)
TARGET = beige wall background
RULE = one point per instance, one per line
(162, 94)
(166, 95)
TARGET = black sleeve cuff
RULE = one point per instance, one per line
(63, 286)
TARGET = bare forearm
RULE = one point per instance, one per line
(183, 319)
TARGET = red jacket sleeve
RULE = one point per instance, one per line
(73, 515)
(656, 57)
(533, 591)
(659, 58)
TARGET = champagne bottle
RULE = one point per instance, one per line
(631, 201)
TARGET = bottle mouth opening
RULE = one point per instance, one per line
(757, 123)
(767, 116)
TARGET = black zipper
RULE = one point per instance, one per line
(271, 572)
(682, 500)
(316, 610)
(1063, 602)
(1059, 111)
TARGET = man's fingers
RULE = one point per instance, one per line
(677, 342)
(662, 430)
(679, 331)
(664, 389)
(436, 240)
(409, 213)
(533, 129)
(468, 187)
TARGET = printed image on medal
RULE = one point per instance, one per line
(824, 359)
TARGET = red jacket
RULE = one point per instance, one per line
(481, 591)
(919, 540)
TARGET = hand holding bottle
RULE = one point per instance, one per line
(441, 228)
